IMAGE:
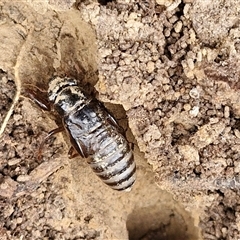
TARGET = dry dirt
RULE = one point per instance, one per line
(169, 72)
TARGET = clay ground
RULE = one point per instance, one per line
(169, 72)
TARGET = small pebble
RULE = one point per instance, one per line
(194, 112)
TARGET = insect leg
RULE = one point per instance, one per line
(79, 147)
(50, 134)
(72, 153)
(113, 122)
(39, 97)
(131, 145)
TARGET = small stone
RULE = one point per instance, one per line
(187, 107)
(194, 112)
(189, 153)
(237, 133)
(199, 56)
(224, 231)
(14, 161)
(19, 220)
(190, 63)
(23, 178)
(178, 26)
(194, 93)
(150, 67)
(226, 112)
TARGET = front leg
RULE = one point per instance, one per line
(40, 97)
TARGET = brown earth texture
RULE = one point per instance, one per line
(169, 71)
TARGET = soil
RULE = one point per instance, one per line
(168, 71)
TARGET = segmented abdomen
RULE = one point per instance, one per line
(94, 133)
(112, 160)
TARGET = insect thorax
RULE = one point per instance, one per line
(66, 95)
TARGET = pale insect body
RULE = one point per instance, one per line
(94, 133)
